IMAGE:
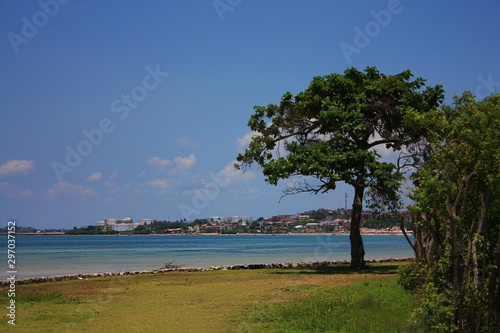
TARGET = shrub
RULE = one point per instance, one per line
(411, 277)
(436, 312)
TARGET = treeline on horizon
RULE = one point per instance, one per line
(24, 230)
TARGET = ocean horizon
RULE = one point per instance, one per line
(44, 255)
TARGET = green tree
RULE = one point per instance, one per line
(141, 229)
(330, 132)
(457, 217)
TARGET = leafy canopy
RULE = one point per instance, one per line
(330, 130)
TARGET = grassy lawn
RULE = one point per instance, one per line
(330, 299)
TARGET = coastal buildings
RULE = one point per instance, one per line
(314, 221)
(232, 220)
(125, 224)
(216, 224)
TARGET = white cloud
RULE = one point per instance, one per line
(94, 177)
(185, 162)
(244, 141)
(16, 168)
(222, 179)
(186, 142)
(162, 184)
(387, 154)
(68, 189)
(233, 175)
(13, 192)
(158, 162)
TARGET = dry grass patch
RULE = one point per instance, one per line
(212, 301)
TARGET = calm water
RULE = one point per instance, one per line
(54, 255)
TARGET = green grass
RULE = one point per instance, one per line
(376, 305)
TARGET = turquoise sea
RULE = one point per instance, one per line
(55, 255)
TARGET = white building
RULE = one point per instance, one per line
(233, 220)
(125, 224)
(215, 219)
(123, 227)
(243, 220)
(145, 221)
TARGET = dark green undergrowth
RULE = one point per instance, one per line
(376, 305)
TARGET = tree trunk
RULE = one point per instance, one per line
(494, 287)
(357, 248)
(414, 245)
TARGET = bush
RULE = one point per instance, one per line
(412, 277)
(436, 312)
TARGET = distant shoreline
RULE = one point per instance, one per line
(215, 234)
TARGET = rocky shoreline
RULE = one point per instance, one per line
(308, 264)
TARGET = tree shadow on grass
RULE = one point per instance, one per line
(342, 269)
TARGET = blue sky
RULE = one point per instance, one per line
(111, 108)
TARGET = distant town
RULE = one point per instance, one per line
(315, 221)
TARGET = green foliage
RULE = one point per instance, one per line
(383, 221)
(319, 214)
(412, 277)
(19, 230)
(457, 206)
(160, 227)
(436, 313)
(330, 130)
(141, 230)
(90, 230)
(327, 130)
